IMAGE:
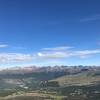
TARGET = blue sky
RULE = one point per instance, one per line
(49, 32)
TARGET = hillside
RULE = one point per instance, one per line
(50, 83)
(83, 78)
(31, 77)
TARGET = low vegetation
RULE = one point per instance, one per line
(84, 85)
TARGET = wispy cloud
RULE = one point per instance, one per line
(14, 57)
(58, 48)
(50, 54)
(3, 45)
(56, 53)
(85, 53)
(91, 18)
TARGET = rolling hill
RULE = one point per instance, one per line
(83, 78)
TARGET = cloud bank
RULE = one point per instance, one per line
(14, 57)
(54, 54)
(45, 54)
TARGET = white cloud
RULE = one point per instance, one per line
(14, 57)
(86, 53)
(52, 55)
(57, 53)
(66, 54)
(3, 45)
(58, 48)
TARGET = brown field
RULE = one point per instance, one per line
(78, 79)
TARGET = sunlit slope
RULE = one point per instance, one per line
(83, 78)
